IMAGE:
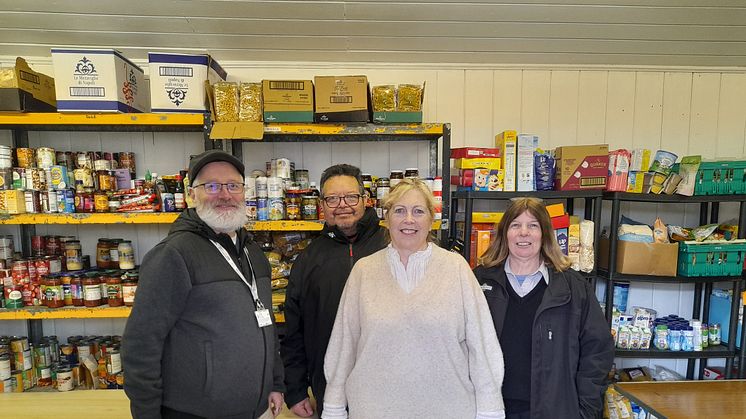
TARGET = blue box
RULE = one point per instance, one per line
(720, 313)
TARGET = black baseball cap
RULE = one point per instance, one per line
(211, 156)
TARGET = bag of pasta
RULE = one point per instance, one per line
(226, 101)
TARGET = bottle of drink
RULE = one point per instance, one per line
(315, 192)
(179, 194)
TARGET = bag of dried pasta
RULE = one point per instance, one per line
(409, 98)
(384, 98)
(226, 101)
(250, 102)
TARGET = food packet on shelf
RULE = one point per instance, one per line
(544, 170)
(643, 317)
(623, 338)
(409, 98)
(660, 232)
(279, 283)
(645, 339)
(702, 233)
(226, 101)
(587, 255)
(274, 257)
(688, 171)
(281, 270)
(679, 234)
(250, 102)
(384, 98)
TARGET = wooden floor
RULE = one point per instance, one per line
(689, 399)
(107, 404)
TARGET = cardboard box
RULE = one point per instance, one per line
(506, 142)
(657, 259)
(288, 100)
(482, 180)
(480, 237)
(478, 163)
(474, 152)
(23, 89)
(98, 80)
(177, 81)
(341, 99)
(556, 210)
(486, 217)
(525, 146)
(12, 201)
(560, 225)
(397, 117)
(581, 167)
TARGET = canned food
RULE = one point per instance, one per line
(6, 178)
(309, 207)
(262, 209)
(25, 157)
(59, 177)
(276, 208)
(83, 160)
(45, 157)
(19, 178)
(4, 367)
(65, 379)
(127, 161)
(36, 179)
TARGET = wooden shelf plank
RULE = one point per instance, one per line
(39, 313)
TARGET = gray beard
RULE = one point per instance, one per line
(227, 222)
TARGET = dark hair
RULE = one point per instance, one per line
(498, 251)
(342, 170)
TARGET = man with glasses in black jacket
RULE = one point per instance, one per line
(317, 279)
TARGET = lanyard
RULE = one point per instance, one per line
(252, 284)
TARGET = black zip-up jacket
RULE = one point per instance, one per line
(192, 342)
(313, 293)
(572, 348)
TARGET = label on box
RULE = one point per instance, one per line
(177, 81)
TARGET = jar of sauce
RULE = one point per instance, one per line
(126, 255)
(395, 177)
(293, 203)
(73, 255)
(76, 290)
(309, 207)
(114, 290)
(67, 294)
(101, 201)
(103, 254)
(91, 291)
(412, 172)
(129, 288)
(53, 294)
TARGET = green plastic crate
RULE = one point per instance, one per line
(711, 258)
(721, 178)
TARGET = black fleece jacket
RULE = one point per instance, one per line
(313, 293)
(192, 342)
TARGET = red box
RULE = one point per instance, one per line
(563, 221)
(581, 167)
(472, 152)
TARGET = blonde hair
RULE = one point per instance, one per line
(498, 250)
(401, 188)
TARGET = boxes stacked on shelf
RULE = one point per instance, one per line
(635, 258)
(288, 100)
(23, 89)
(478, 169)
(560, 224)
(524, 164)
(480, 237)
(84, 362)
(506, 142)
(341, 99)
(397, 104)
(581, 167)
(721, 178)
(177, 81)
(98, 80)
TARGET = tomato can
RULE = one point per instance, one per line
(38, 245)
(65, 380)
(20, 272)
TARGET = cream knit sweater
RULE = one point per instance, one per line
(432, 353)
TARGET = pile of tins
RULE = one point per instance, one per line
(43, 180)
(59, 275)
(288, 195)
(84, 362)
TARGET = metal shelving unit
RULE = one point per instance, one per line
(709, 209)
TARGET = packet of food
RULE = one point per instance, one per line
(660, 232)
(250, 102)
(688, 171)
(409, 98)
(384, 98)
(226, 101)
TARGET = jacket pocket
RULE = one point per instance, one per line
(209, 371)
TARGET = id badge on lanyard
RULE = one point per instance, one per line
(261, 313)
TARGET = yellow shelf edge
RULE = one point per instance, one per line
(165, 119)
(39, 313)
(92, 218)
(354, 129)
(285, 225)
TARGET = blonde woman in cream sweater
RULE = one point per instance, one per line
(413, 336)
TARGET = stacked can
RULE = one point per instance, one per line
(275, 198)
(262, 206)
(437, 188)
(22, 363)
(6, 164)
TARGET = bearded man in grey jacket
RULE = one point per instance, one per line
(201, 341)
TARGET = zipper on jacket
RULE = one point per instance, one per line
(257, 413)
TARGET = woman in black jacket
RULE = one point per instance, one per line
(556, 343)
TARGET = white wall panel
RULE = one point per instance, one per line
(731, 124)
(563, 110)
(507, 101)
(677, 104)
(620, 109)
(592, 98)
(450, 103)
(535, 102)
(478, 124)
(648, 110)
(704, 116)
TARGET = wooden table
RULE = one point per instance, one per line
(104, 404)
(689, 399)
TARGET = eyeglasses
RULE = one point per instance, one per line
(213, 188)
(334, 201)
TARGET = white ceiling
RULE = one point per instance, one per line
(582, 32)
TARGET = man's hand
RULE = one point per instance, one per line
(303, 408)
(275, 402)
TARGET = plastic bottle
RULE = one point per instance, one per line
(697, 335)
(674, 338)
(687, 339)
(179, 202)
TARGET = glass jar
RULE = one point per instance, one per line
(100, 202)
(293, 202)
(91, 291)
(53, 294)
(114, 290)
(103, 178)
(67, 289)
(103, 254)
(129, 288)
(126, 255)
(102, 284)
(309, 207)
(76, 290)
(73, 255)
(395, 177)
(412, 172)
